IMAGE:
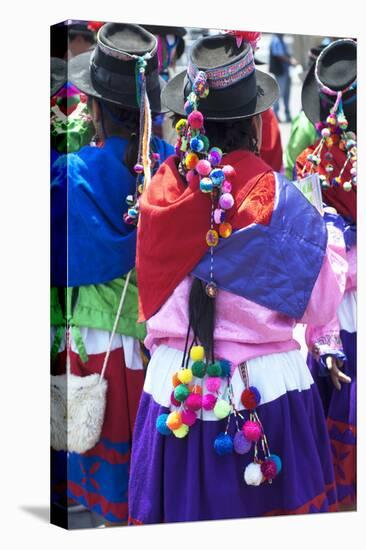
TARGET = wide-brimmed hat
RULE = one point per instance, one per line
(236, 88)
(335, 69)
(163, 30)
(58, 74)
(110, 71)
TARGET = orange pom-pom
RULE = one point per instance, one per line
(225, 229)
(195, 388)
(191, 161)
(174, 420)
(175, 380)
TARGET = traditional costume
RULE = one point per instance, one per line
(303, 133)
(329, 100)
(94, 214)
(239, 432)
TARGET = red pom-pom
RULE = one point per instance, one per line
(95, 25)
(247, 36)
(252, 430)
(250, 398)
(174, 401)
(269, 469)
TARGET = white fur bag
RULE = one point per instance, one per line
(78, 402)
(77, 411)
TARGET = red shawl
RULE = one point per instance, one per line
(175, 218)
(343, 201)
(271, 148)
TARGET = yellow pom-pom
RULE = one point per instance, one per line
(185, 376)
(174, 420)
(181, 125)
(197, 353)
(182, 431)
(191, 161)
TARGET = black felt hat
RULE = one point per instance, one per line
(336, 68)
(236, 88)
(109, 71)
(58, 74)
(163, 30)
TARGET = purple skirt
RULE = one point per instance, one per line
(176, 480)
(340, 412)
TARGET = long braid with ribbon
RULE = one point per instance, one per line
(143, 165)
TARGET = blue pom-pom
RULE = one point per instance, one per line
(217, 176)
(188, 107)
(206, 185)
(223, 444)
(197, 144)
(256, 393)
(276, 459)
(225, 368)
(161, 425)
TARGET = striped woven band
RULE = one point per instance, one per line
(222, 77)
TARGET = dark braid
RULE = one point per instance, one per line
(202, 316)
(120, 121)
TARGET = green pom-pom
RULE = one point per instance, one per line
(199, 369)
(181, 392)
(206, 142)
(214, 369)
(222, 409)
(181, 432)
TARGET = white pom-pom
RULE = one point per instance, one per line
(253, 474)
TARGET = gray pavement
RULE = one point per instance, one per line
(80, 517)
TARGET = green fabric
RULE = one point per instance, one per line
(302, 135)
(97, 305)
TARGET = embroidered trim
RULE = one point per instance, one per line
(226, 76)
(332, 340)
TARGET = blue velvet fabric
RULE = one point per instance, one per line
(90, 243)
(273, 265)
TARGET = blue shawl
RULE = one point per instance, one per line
(90, 242)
